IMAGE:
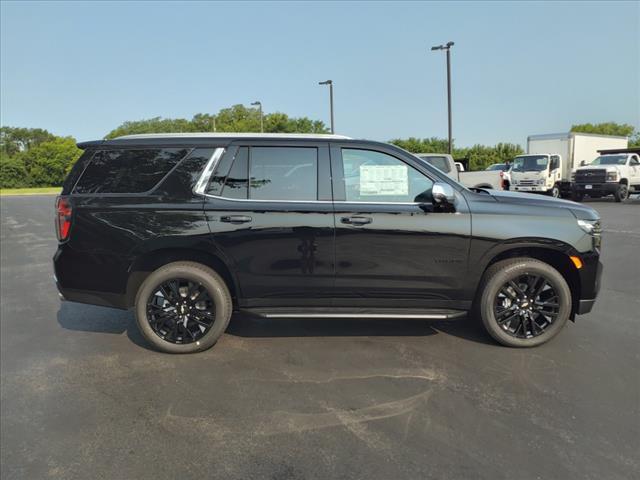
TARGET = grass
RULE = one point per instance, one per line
(30, 191)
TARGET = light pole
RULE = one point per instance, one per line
(447, 47)
(259, 104)
(330, 83)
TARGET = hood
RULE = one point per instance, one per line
(580, 211)
(608, 168)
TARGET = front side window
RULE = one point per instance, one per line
(128, 170)
(372, 176)
(283, 173)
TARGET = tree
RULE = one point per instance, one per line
(48, 163)
(422, 145)
(236, 118)
(16, 139)
(13, 173)
(606, 128)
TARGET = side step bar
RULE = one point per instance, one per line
(431, 314)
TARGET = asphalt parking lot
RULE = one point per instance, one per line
(82, 395)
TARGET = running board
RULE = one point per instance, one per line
(430, 314)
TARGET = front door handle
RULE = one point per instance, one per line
(236, 219)
(357, 221)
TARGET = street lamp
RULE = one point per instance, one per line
(259, 104)
(330, 83)
(447, 47)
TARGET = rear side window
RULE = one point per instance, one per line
(270, 173)
(128, 170)
(238, 179)
(283, 173)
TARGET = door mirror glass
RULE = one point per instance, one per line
(443, 193)
(583, 163)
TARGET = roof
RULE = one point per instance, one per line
(234, 135)
(203, 139)
(553, 136)
(610, 151)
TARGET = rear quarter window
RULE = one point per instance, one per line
(128, 170)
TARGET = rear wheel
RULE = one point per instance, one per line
(525, 302)
(183, 307)
(622, 193)
(577, 197)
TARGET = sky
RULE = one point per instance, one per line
(518, 69)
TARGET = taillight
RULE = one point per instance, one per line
(63, 218)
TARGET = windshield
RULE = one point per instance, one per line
(503, 167)
(530, 163)
(610, 160)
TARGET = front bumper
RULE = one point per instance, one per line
(607, 188)
(590, 278)
(530, 188)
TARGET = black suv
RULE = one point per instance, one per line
(187, 228)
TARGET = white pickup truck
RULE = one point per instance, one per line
(616, 174)
(481, 179)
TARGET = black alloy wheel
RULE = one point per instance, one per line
(180, 311)
(527, 306)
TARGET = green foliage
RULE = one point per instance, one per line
(480, 156)
(16, 139)
(606, 128)
(237, 118)
(41, 165)
(13, 173)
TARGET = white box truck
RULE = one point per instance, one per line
(550, 160)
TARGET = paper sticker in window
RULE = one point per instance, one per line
(384, 180)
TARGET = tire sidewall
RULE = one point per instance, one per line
(215, 288)
(509, 273)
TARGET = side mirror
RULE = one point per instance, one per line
(443, 193)
(583, 163)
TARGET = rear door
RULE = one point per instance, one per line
(270, 213)
(394, 248)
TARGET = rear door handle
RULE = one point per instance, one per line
(236, 219)
(356, 220)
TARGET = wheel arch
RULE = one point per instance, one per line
(557, 255)
(149, 261)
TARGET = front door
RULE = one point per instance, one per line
(270, 213)
(394, 248)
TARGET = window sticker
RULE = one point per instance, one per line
(384, 180)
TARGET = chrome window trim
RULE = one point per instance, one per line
(203, 181)
(306, 201)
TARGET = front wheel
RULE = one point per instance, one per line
(622, 193)
(525, 302)
(183, 307)
(555, 191)
(577, 197)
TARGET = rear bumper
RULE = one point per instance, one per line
(88, 278)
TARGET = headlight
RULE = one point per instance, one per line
(612, 176)
(573, 177)
(593, 228)
(541, 181)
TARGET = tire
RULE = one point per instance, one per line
(577, 197)
(621, 193)
(555, 191)
(491, 309)
(212, 304)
